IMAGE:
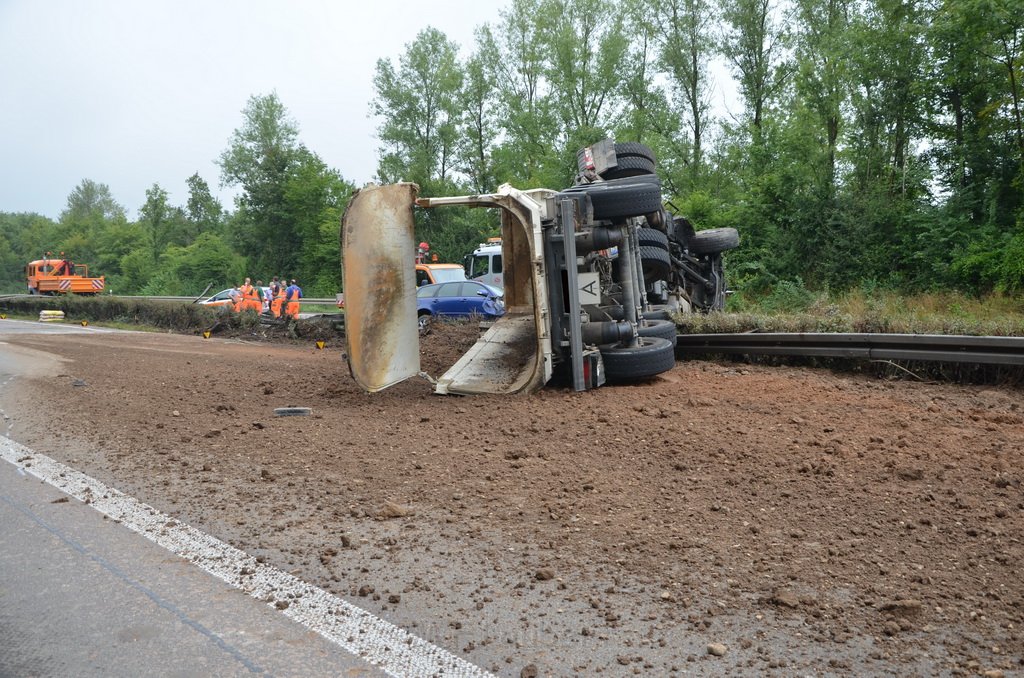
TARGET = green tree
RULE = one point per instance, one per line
(125, 256)
(586, 48)
(166, 223)
(203, 211)
(883, 185)
(418, 105)
(1004, 22)
(887, 61)
(31, 235)
(822, 77)
(753, 43)
(686, 46)
(316, 197)
(91, 201)
(186, 271)
(12, 264)
(648, 116)
(259, 159)
(516, 53)
(90, 208)
(479, 126)
(975, 132)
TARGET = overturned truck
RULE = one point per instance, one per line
(593, 276)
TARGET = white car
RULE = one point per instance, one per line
(223, 298)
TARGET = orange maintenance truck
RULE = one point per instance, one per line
(59, 275)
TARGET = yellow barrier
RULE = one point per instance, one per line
(50, 316)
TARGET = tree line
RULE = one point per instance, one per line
(285, 222)
(874, 143)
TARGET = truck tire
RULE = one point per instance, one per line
(628, 166)
(651, 356)
(714, 240)
(622, 198)
(634, 149)
(666, 329)
(652, 237)
(648, 179)
(655, 262)
(626, 149)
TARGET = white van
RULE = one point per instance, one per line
(484, 264)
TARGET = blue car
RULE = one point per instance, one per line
(458, 300)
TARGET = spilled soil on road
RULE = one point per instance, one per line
(721, 518)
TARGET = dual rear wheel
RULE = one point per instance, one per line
(649, 357)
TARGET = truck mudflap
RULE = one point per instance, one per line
(513, 356)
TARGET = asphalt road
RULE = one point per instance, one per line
(81, 595)
(9, 326)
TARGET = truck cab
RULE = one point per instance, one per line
(485, 263)
(429, 274)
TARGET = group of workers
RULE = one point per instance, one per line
(280, 299)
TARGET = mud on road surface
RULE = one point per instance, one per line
(720, 519)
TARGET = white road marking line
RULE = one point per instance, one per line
(392, 649)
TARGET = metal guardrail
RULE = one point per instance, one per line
(305, 300)
(188, 300)
(922, 347)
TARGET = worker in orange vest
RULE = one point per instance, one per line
(250, 298)
(262, 307)
(275, 306)
(292, 294)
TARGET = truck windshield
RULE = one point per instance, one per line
(448, 274)
(479, 264)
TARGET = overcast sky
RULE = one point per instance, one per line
(130, 93)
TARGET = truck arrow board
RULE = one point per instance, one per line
(590, 288)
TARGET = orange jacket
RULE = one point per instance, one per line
(250, 298)
(275, 305)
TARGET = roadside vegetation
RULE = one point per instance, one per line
(125, 312)
(793, 308)
(169, 316)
